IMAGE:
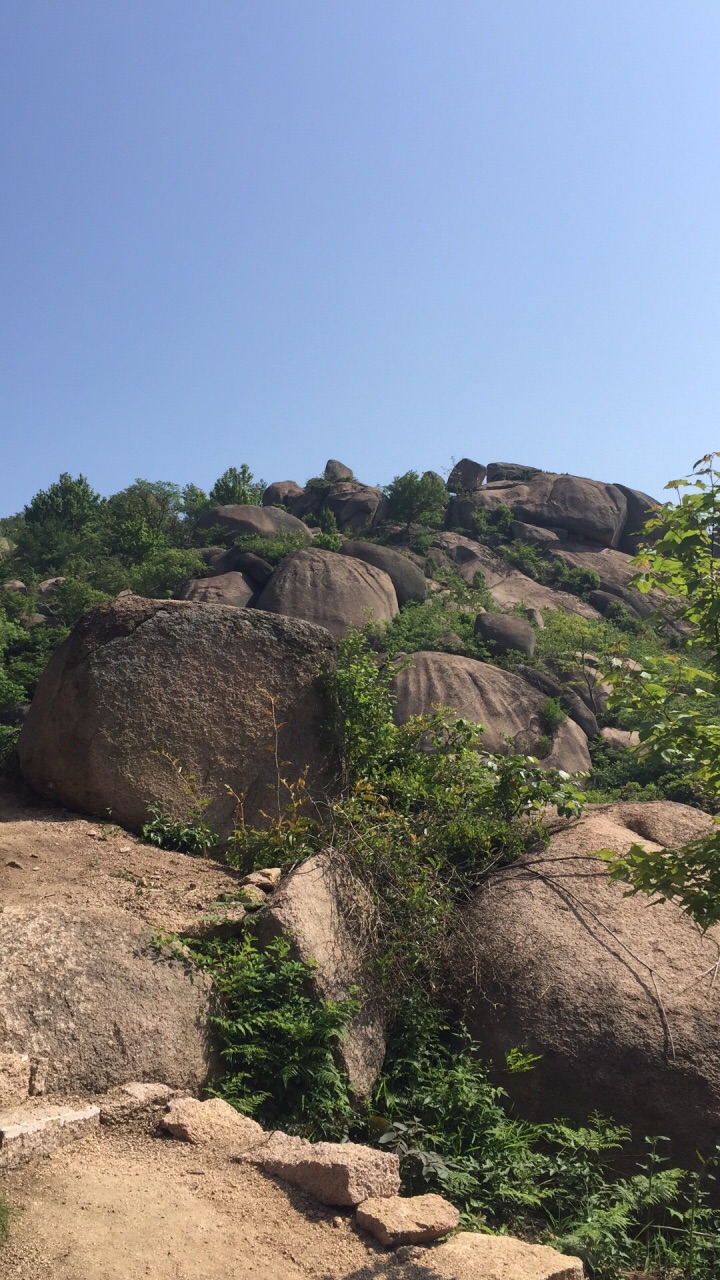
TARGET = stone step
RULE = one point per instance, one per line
(29, 1133)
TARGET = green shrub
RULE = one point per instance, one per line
(277, 1042)
(552, 715)
(492, 527)
(182, 836)
(4, 1219)
(552, 571)
(237, 487)
(271, 549)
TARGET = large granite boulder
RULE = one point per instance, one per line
(409, 582)
(511, 471)
(466, 476)
(141, 682)
(505, 633)
(508, 708)
(355, 506)
(87, 992)
(336, 471)
(616, 571)
(224, 588)
(260, 522)
(585, 508)
(333, 591)
(616, 994)
(281, 493)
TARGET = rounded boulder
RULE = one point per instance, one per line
(141, 683)
(409, 582)
(333, 591)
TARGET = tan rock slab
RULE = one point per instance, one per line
(471, 1256)
(14, 1079)
(130, 1101)
(213, 1121)
(334, 1172)
(24, 1138)
(398, 1220)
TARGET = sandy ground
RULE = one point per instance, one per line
(125, 1205)
(48, 855)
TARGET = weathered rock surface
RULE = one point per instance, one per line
(511, 471)
(334, 1172)
(213, 1121)
(616, 994)
(263, 522)
(308, 906)
(620, 739)
(14, 1079)
(504, 632)
(337, 471)
(398, 1220)
(332, 591)
(585, 508)
(616, 571)
(507, 585)
(88, 991)
(139, 681)
(138, 1098)
(569, 749)
(505, 704)
(355, 506)
(639, 507)
(281, 491)
(472, 1256)
(409, 582)
(24, 1137)
(225, 588)
(466, 476)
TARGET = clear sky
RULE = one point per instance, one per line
(388, 231)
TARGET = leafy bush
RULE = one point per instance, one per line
(4, 1219)
(552, 715)
(277, 1042)
(182, 836)
(271, 549)
(492, 527)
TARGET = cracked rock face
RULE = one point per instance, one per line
(140, 683)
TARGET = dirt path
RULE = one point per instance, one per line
(127, 1206)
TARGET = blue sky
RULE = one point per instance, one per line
(389, 231)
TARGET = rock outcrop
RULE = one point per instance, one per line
(224, 588)
(140, 683)
(508, 708)
(89, 993)
(585, 508)
(261, 522)
(332, 591)
(616, 994)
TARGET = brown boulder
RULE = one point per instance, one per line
(466, 476)
(333, 591)
(343, 1173)
(281, 492)
(355, 506)
(616, 571)
(409, 582)
(89, 991)
(336, 471)
(510, 471)
(639, 507)
(261, 522)
(506, 706)
(615, 993)
(213, 1121)
(504, 632)
(225, 588)
(398, 1220)
(141, 682)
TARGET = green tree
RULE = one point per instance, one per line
(237, 487)
(674, 701)
(416, 499)
(69, 503)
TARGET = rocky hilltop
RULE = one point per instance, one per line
(504, 596)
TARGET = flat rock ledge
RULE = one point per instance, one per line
(26, 1136)
(213, 1121)
(400, 1220)
(471, 1256)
